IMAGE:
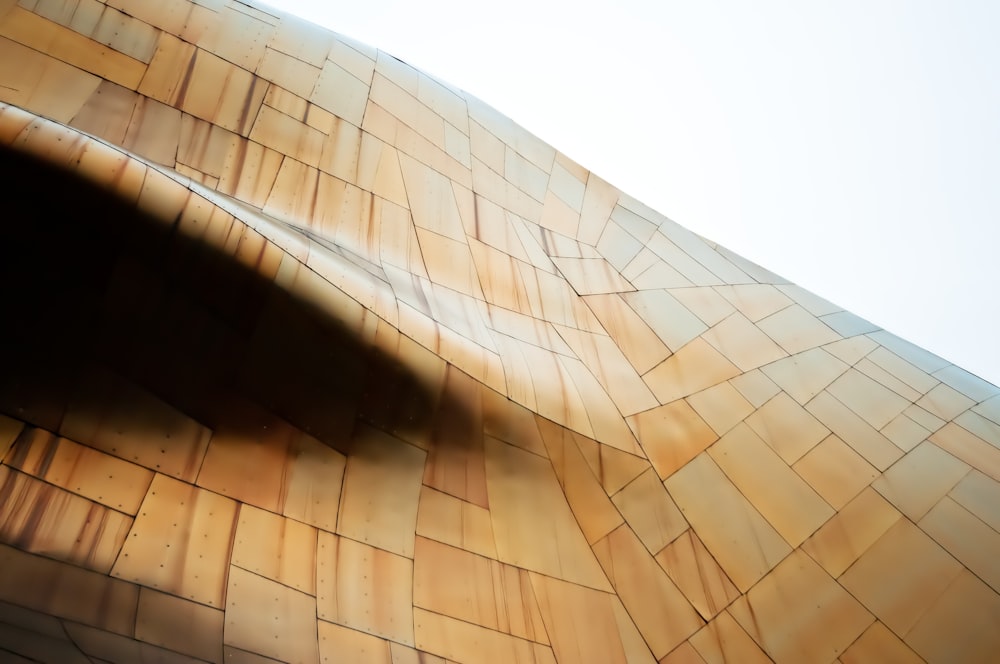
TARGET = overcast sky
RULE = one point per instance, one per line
(852, 147)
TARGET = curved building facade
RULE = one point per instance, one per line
(308, 356)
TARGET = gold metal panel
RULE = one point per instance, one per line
(289, 72)
(667, 317)
(103, 416)
(827, 618)
(107, 112)
(722, 407)
(478, 590)
(689, 564)
(465, 642)
(180, 542)
(960, 625)
(780, 495)
(743, 542)
(631, 334)
(755, 301)
(69, 46)
(743, 343)
(879, 644)
(691, 369)
(179, 625)
(82, 470)
(340, 644)
(41, 83)
(276, 548)
(865, 440)
(723, 640)
(920, 479)
(381, 491)
(672, 435)
(583, 624)
(851, 532)
(876, 404)
(975, 544)
(528, 508)
(796, 330)
(971, 449)
(901, 576)
(980, 495)
(265, 617)
(804, 375)
(452, 521)
(67, 591)
(786, 427)
(835, 471)
(59, 524)
(595, 513)
(650, 512)
(662, 614)
(365, 588)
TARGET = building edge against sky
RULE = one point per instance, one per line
(316, 357)
(840, 131)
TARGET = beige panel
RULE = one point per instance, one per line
(290, 73)
(804, 375)
(163, 439)
(364, 588)
(105, 646)
(866, 441)
(755, 301)
(43, 84)
(689, 564)
(945, 402)
(851, 532)
(975, 544)
(594, 512)
(313, 478)
(877, 373)
(67, 591)
(722, 407)
(599, 200)
(188, 79)
(57, 523)
(381, 491)
(650, 512)
(781, 496)
(69, 46)
(339, 644)
(591, 276)
(10, 430)
(405, 655)
(672, 435)
(107, 112)
(876, 404)
(277, 548)
(694, 367)
(879, 644)
(920, 479)
(246, 458)
(478, 590)
(787, 427)
(755, 387)
(611, 368)
(176, 624)
(969, 448)
(465, 642)
(827, 619)
(743, 343)
(636, 340)
(180, 542)
(583, 626)
(835, 471)
(667, 317)
(723, 640)
(453, 521)
(285, 134)
(901, 576)
(685, 653)
(905, 433)
(449, 263)
(250, 172)
(796, 330)
(961, 625)
(662, 614)
(533, 525)
(705, 303)
(341, 93)
(613, 468)
(82, 470)
(154, 131)
(743, 542)
(510, 422)
(980, 495)
(241, 36)
(265, 617)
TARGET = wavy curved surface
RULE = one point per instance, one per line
(309, 356)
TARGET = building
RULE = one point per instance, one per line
(309, 355)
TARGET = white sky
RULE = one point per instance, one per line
(852, 147)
